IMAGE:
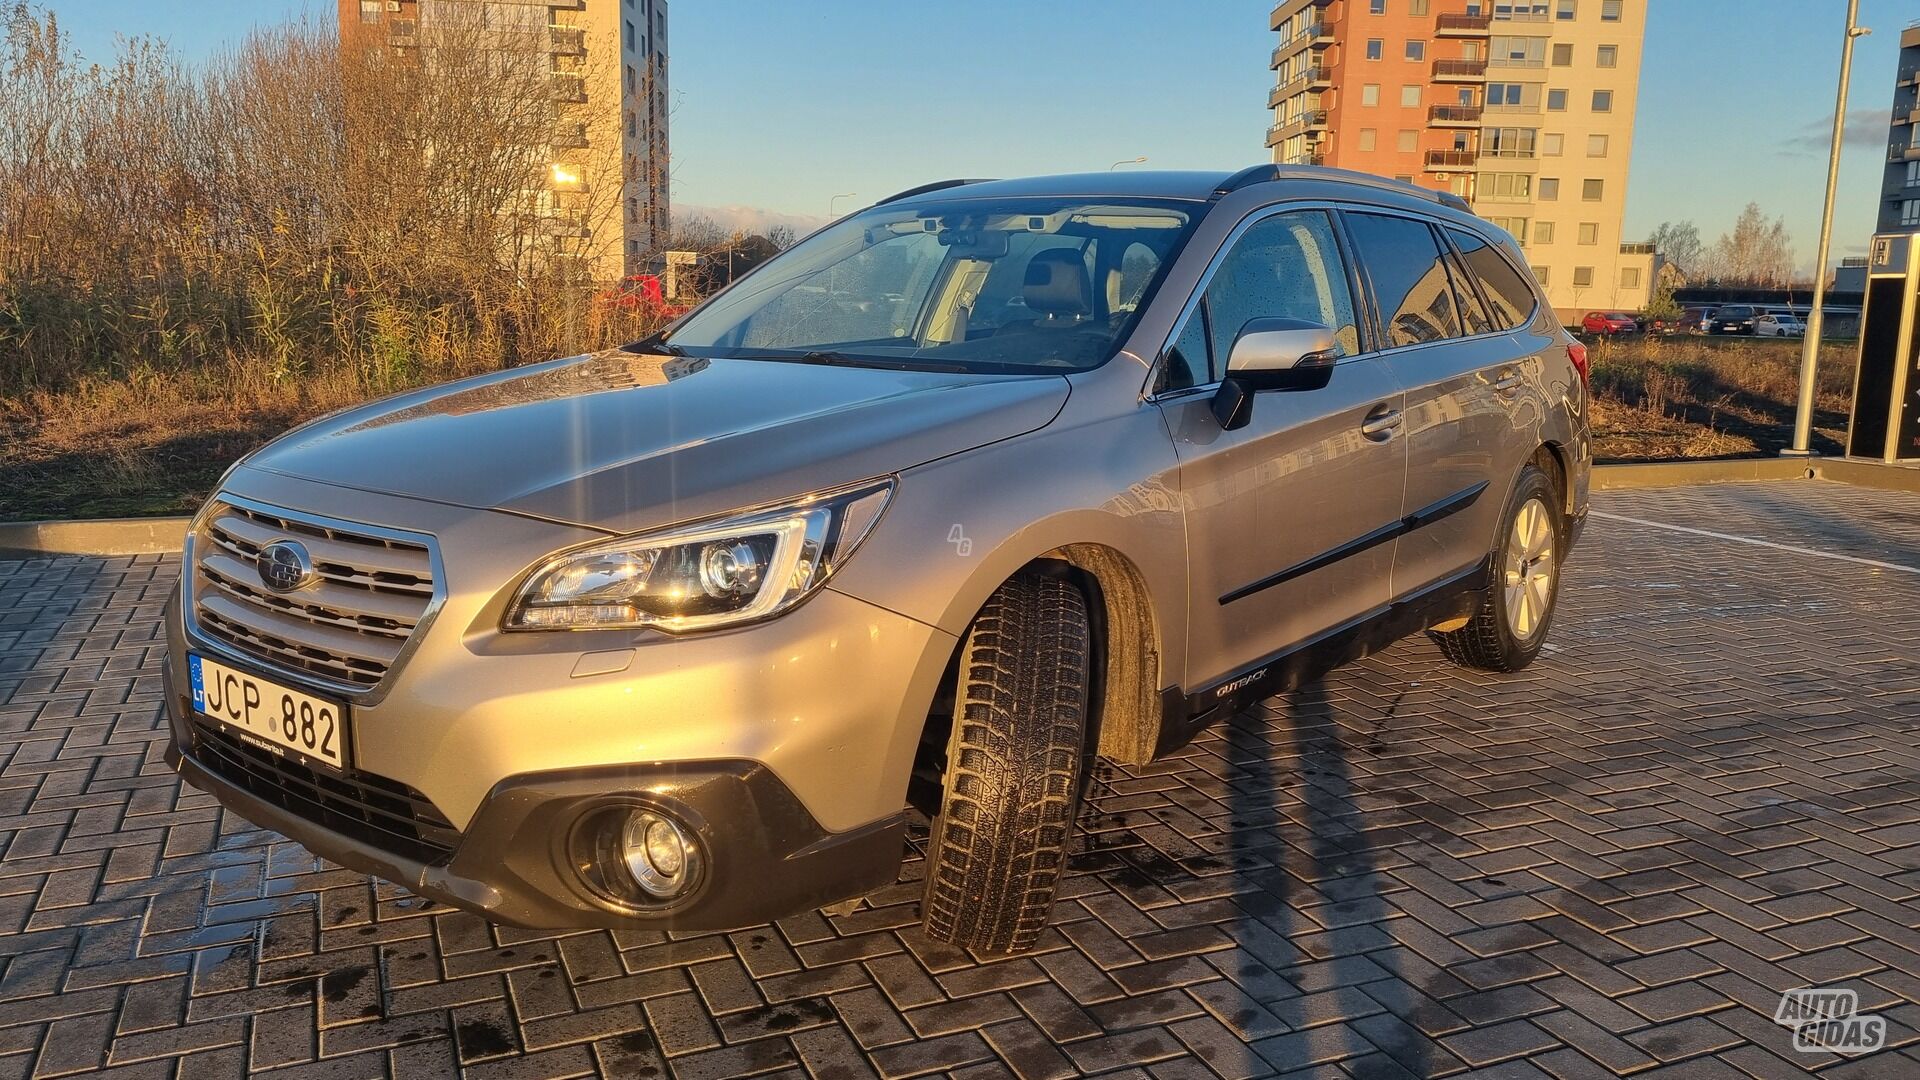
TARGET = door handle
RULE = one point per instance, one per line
(1380, 423)
(1507, 383)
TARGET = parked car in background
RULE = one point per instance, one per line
(1661, 326)
(641, 294)
(1694, 320)
(1608, 323)
(670, 637)
(1736, 319)
(1779, 325)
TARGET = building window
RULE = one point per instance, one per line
(1596, 146)
(1417, 8)
(1592, 190)
(1606, 56)
(1549, 188)
(1410, 96)
(1518, 52)
(1507, 142)
(1563, 10)
(1910, 212)
(1514, 225)
(1913, 174)
(1563, 55)
(1542, 233)
(633, 208)
(1376, 48)
(1540, 274)
(1556, 101)
(1609, 10)
(1550, 144)
(1505, 187)
(1370, 94)
(370, 10)
(1416, 49)
(1629, 277)
(1589, 233)
(1376, 7)
(1582, 277)
(633, 126)
(1603, 101)
(631, 36)
(1368, 139)
(633, 80)
(1405, 178)
(1409, 141)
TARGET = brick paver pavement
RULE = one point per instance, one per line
(1707, 792)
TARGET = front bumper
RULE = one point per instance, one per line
(792, 740)
(766, 856)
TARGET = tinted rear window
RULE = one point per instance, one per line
(1410, 281)
(1504, 287)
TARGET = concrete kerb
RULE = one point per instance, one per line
(147, 536)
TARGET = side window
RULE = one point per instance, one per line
(1410, 281)
(1285, 266)
(1472, 312)
(1509, 293)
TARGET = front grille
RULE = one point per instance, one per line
(348, 628)
(381, 813)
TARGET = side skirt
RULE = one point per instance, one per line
(1184, 716)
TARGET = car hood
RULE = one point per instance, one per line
(625, 441)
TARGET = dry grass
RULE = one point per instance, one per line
(1659, 399)
(157, 443)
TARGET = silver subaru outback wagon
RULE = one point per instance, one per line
(963, 491)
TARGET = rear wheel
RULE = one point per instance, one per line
(1013, 767)
(1508, 629)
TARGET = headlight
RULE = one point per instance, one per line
(729, 570)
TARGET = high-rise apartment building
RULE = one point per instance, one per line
(1900, 190)
(1523, 107)
(604, 196)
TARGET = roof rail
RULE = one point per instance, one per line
(1261, 174)
(937, 185)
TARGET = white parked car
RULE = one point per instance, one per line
(1779, 325)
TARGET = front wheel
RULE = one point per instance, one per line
(1510, 626)
(1013, 768)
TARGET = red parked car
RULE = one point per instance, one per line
(642, 293)
(1608, 322)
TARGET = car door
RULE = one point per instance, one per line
(1473, 381)
(1284, 515)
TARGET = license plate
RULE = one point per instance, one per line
(266, 714)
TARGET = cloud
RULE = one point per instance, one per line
(1866, 130)
(752, 219)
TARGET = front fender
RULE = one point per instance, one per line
(958, 527)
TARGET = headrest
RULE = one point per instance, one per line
(1057, 284)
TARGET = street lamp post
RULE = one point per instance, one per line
(1141, 160)
(1810, 346)
(831, 215)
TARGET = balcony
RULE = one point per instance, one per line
(1306, 159)
(402, 31)
(1471, 71)
(1453, 115)
(567, 40)
(1445, 160)
(569, 87)
(1461, 25)
(1906, 114)
(570, 138)
(1518, 62)
(1279, 13)
(1311, 120)
(1637, 247)
(1279, 94)
(1318, 36)
(1904, 153)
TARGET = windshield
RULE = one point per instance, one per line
(977, 285)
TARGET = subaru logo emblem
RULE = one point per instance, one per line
(285, 566)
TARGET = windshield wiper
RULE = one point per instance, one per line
(656, 343)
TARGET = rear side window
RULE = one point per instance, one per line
(1472, 312)
(1505, 289)
(1410, 280)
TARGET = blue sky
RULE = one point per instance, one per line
(778, 105)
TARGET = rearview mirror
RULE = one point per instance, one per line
(1273, 354)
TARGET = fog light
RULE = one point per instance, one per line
(661, 858)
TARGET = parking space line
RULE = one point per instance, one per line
(1755, 541)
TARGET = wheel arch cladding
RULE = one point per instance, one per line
(1125, 710)
(1552, 459)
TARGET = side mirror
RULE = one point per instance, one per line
(1273, 354)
